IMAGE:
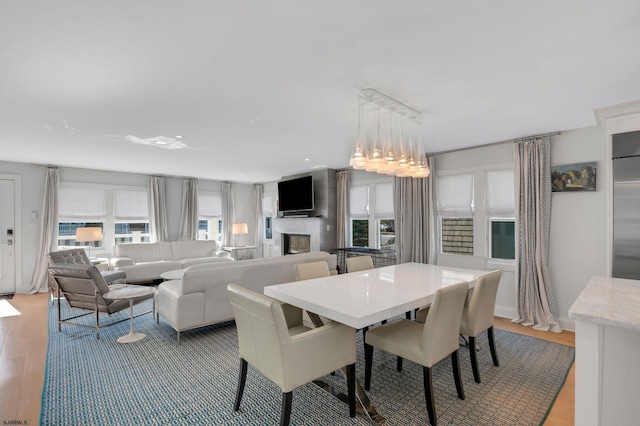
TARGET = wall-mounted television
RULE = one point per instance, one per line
(295, 195)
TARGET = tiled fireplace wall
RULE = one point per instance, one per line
(321, 223)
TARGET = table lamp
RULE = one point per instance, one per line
(239, 229)
(89, 234)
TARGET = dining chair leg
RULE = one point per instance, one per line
(428, 394)
(473, 355)
(407, 315)
(285, 414)
(368, 360)
(492, 347)
(455, 363)
(399, 363)
(351, 388)
(242, 378)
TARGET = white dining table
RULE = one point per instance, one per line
(360, 299)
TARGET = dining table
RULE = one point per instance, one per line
(361, 299)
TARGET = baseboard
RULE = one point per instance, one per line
(511, 313)
(505, 312)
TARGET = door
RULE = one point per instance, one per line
(626, 218)
(7, 237)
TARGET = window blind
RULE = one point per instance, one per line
(500, 196)
(130, 205)
(359, 200)
(455, 195)
(268, 205)
(384, 199)
(209, 206)
(81, 204)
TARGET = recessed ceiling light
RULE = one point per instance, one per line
(306, 159)
(178, 136)
(136, 163)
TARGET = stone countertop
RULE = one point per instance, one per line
(609, 301)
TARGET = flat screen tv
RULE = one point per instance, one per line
(295, 195)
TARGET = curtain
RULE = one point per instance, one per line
(48, 231)
(227, 214)
(342, 205)
(536, 305)
(190, 212)
(414, 218)
(157, 210)
(257, 218)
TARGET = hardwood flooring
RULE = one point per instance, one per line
(23, 347)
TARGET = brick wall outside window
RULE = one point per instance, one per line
(457, 236)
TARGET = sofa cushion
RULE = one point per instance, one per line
(193, 249)
(147, 271)
(145, 252)
(206, 260)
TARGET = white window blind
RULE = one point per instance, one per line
(268, 205)
(210, 206)
(384, 199)
(81, 204)
(359, 200)
(130, 205)
(455, 195)
(500, 192)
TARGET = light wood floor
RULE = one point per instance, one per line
(23, 346)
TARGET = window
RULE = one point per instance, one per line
(80, 207)
(121, 211)
(476, 213)
(371, 216)
(268, 209)
(210, 215)
(131, 214)
(455, 208)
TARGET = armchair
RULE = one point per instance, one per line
(83, 286)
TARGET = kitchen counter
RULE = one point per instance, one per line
(607, 318)
(609, 301)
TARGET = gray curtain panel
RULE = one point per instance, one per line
(343, 179)
(48, 224)
(414, 218)
(158, 225)
(536, 305)
(227, 213)
(257, 218)
(190, 215)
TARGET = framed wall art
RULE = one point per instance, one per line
(574, 177)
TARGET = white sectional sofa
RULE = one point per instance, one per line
(200, 298)
(145, 262)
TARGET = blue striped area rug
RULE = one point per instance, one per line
(155, 381)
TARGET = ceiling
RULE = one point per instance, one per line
(259, 90)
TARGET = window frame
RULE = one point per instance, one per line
(374, 219)
(481, 217)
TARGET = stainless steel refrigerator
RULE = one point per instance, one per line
(626, 205)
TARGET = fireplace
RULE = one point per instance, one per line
(296, 243)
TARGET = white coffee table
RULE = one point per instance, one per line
(128, 291)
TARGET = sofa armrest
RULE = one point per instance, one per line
(117, 262)
(220, 253)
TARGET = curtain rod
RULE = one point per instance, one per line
(496, 143)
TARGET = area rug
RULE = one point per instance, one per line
(157, 381)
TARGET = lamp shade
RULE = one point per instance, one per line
(88, 234)
(239, 228)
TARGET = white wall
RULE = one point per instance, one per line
(578, 238)
(32, 178)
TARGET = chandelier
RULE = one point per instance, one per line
(389, 137)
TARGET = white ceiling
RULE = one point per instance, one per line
(257, 87)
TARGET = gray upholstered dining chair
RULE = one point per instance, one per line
(425, 344)
(477, 316)
(274, 341)
(359, 263)
(310, 270)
